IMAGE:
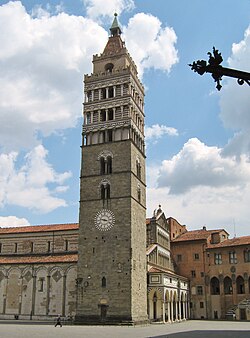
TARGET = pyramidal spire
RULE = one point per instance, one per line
(115, 29)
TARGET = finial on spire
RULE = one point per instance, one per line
(115, 29)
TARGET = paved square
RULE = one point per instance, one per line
(189, 329)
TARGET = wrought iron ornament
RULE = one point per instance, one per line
(213, 66)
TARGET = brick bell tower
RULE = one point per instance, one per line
(111, 280)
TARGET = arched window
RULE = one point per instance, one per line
(105, 191)
(109, 67)
(102, 166)
(139, 193)
(111, 92)
(109, 165)
(104, 282)
(138, 169)
(228, 289)
(110, 114)
(214, 286)
(240, 285)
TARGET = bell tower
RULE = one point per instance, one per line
(111, 280)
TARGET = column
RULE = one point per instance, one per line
(64, 295)
(184, 310)
(114, 113)
(122, 89)
(176, 311)
(92, 95)
(33, 295)
(107, 93)
(179, 310)
(106, 114)
(85, 97)
(100, 94)
(163, 311)
(114, 91)
(169, 321)
(91, 117)
(122, 111)
(172, 311)
(48, 296)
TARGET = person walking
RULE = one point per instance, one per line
(58, 321)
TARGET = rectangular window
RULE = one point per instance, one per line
(31, 247)
(232, 257)
(66, 245)
(0, 247)
(15, 247)
(41, 284)
(196, 256)
(199, 290)
(193, 273)
(202, 274)
(247, 256)
(179, 258)
(49, 246)
(217, 259)
(201, 305)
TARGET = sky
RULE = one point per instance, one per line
(197, 139)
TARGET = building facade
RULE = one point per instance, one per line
(218, 269)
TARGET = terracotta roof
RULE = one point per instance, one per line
(195, 235)
(40, 259)
(40, 228)
(113, 46)
(244, 240)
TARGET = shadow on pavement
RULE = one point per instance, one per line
(206, 334)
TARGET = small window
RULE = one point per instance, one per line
(41, 284)
(217, 259)
(202, 274)
(201, 305)
(31, 247)
(88, 118)
(104, 282)
(0, 247)
(49, 246)
(15, 247)
(193, 273)
(111, 92)
(102, 166)
(247, 256)
(179, 258)
(232, 257)
(199, 290)
(103, 115)
(66, 245)
(196, 256)
(110, 135)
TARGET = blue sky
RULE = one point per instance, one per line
(197, 138)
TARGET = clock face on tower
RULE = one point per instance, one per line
(104, 220)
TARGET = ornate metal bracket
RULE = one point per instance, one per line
(213, 66)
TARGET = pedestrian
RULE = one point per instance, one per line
(58, 321)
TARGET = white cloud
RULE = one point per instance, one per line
(97, 10)
(199, 165)
(157, 131)
(150, 44)
(28, 186)
(235, 100)
(13, 221)
(199, 186)
(42, 61)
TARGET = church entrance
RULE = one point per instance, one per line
(103, 312)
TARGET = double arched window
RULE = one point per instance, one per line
(138, 168)
(105, 158)
(105, 190)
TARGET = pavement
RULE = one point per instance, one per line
(188, 329)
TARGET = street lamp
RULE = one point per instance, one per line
(213, 66)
